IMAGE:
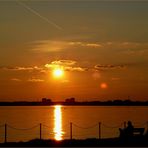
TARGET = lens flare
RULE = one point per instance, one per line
(103, 85)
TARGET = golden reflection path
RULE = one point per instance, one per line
(58, 122)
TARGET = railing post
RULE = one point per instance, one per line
(70, 130)
(5, 133)
(124, 124)
(99, 130)
(40, 131)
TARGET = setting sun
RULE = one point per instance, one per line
(58, 72)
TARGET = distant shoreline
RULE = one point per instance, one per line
(92, 103)
(72, 105)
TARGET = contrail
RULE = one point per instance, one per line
(42, 17)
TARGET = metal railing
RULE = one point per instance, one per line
(98, 128)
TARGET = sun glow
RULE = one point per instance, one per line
(57, 73)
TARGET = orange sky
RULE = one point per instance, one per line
(101, 46)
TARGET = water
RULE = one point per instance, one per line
(23, 122)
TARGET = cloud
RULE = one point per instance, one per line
(6, 68)
(60, 45)
(18, 68)
(48, 46)
(108, 67)
(85, 44)
(115, 79)
(29, 80)
(67, 65)
(64, 62)
(23, 68)
(56, 46)
(124, 44)
(16, 79)
(130, 48)
(35, 80)
(137, 52)
(79, 69)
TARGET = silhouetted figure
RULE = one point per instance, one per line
(128, 131)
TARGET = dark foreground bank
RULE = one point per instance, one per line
(112, 142)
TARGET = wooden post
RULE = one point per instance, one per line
(70, 130)
(99, 130)
(124, 124)
(5, 133)
(40, 131)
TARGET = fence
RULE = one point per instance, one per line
(99, 129)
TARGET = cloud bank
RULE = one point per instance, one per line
(67, 65)
(57, 46)
(108, 67)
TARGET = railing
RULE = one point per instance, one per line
(98, 128)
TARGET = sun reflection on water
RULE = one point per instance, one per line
(58, 122)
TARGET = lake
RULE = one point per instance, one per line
(23, 122)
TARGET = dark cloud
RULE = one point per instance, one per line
(18, 68)
(108, 67)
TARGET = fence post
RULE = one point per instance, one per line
(124, 124)
(99, 130)
(40, 131)
(70, 130)
(5, 133)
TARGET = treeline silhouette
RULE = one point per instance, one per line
(77, 103)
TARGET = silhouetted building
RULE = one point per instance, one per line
(70, 100)
(45, 100)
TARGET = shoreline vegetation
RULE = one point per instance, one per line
(72, 102)
(91, 142)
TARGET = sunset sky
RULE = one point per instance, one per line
(101, 47)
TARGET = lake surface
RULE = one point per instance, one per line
(23, 122)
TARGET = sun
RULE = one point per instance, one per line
(57, 73)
